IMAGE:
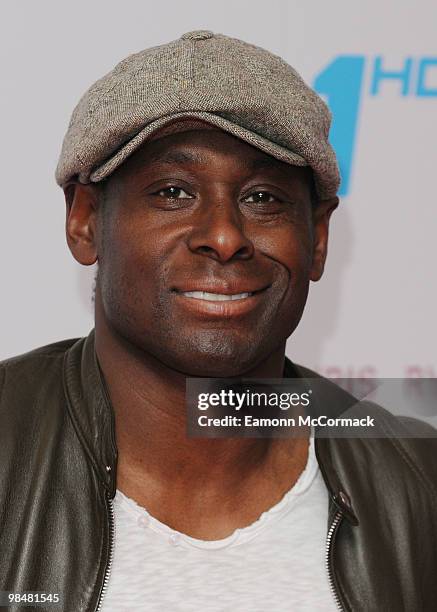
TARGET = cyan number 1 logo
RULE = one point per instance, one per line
(341, 82)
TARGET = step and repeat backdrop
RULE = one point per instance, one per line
(375, 63)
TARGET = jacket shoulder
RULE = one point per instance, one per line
(22, 375)
(412, 441)
(48, 350)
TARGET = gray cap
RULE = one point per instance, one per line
(238, 87)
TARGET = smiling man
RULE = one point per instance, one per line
(199, 176)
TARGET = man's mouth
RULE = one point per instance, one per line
(220, 302)
(216, 297)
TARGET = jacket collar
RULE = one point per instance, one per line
(93, 418)
(90, 409)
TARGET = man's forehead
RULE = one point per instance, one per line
(191, 145)
(175, 155)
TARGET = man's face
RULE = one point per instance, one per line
(206, 248)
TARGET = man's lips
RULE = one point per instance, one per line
(221, 301)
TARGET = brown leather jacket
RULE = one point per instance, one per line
(58, 461)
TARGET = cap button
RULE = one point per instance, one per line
(198, 35)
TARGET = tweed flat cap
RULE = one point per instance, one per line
(235, 86)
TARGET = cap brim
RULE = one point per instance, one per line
(252, 138)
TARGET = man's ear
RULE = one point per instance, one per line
(321, 216)
(81, 221)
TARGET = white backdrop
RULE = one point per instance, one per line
(373, 312)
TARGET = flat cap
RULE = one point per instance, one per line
(228, 83)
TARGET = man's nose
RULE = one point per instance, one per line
(219, 233)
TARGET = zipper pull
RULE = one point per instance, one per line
(343, 503)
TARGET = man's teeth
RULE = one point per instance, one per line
(215, 297)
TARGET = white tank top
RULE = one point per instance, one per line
(276, 564)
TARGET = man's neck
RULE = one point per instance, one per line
(204, 487)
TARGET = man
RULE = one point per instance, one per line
(199, 176)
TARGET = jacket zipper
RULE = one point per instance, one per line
(328, 558)
(111, 552)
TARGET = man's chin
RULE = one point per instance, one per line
(214, 368)
(216, 356)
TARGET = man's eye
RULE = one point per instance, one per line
(173, 193)
(260, 197)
